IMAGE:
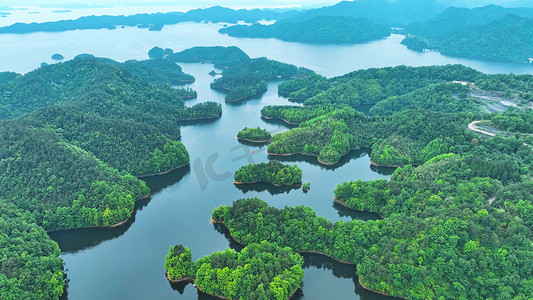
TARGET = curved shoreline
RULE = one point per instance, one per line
(162, 173)
(362, 211)
(200, 119)
(261, 181)
(387, 166)
(281, 119)
(378, 292)
(317, 253)
(254, 141)
(300, 153)
(104, 226)
(244, 98)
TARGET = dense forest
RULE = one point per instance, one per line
(254, 134)
(272, 172)
(259, 271)
(414, 107)
(491, 32)
(30, 267)
(319, 29)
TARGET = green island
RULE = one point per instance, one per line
(259, 271)
(57, 56)
(490, 32)
(318, 29)
(201, 111)
(254, 135)
(272, 172)
(221, 57)
(250, 77)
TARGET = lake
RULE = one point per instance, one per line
(127, 262)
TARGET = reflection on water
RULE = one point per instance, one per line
(260, 187)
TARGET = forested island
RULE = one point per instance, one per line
(319, 29)
(491, 32)
(243, 77)
(254, 135)
(259, 271)
(273, 172)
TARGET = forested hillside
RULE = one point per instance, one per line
(413, 107)
(30, 263)
(491, 32)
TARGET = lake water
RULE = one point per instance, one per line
(127, 262)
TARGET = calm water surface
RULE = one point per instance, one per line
(127, 262)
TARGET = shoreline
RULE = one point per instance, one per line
(162, 173)
(253, 141)
(104, 226)
(281, 119)
(316, 253)
(387, 166)
(199, 119)
(300, 153)
(375, 291)
(335, 200)
(278, 185)
(244, 98)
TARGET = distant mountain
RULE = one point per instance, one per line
(479, 3)
(454, 18)
(156, 20)
(508, 38)
(319, 29)
(398, 13)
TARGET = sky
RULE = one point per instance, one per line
(257, 3)
(19, 3)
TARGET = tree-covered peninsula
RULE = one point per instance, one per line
(319, 29)
(272, 172)
(415, 108)
(259, 271)
(254, 135)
